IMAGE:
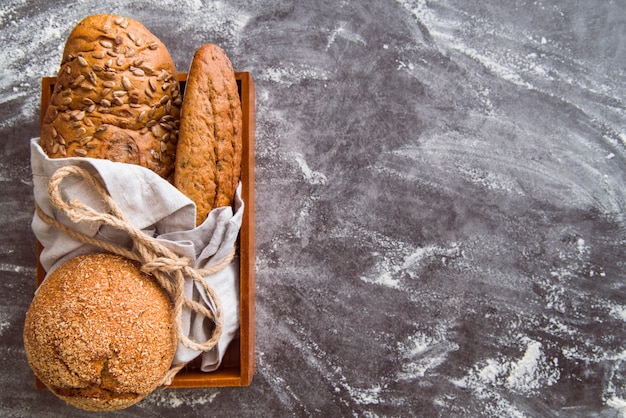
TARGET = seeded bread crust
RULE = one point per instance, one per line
(116, 97)
(99, 333)
(208, 155)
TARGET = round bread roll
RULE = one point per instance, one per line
(100, 333)
(116, 96)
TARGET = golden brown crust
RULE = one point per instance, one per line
(208, 156)
(116, 97)
(99, 333)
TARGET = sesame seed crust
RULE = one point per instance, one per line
(99, 333)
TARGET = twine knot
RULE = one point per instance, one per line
(165, 264)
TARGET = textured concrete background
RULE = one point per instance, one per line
(440, 203)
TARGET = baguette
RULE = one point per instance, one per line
(116, 96)
(209, 150)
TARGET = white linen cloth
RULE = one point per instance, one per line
(155, 206)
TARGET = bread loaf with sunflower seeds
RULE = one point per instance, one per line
(116, 96)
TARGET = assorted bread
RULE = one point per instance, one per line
(99, 332)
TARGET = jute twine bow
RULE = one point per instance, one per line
(164, 265)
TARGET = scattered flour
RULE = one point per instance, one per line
(19, 83)
(618, 312)
(386, 271)
(176, 399)
(289, 74)
(488, 180)
(194, 5)
(312, 177)
(208, 17)
(533, 371)
(4, 325)
(341, 32)
(17, 269)
(615, 392)
(385, 279)
(618, 404)
(431, 252)
(365, 396)
(422, 353)
(526, 375)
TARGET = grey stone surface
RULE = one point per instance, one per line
(440, 203)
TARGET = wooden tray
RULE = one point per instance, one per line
(238, 365)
